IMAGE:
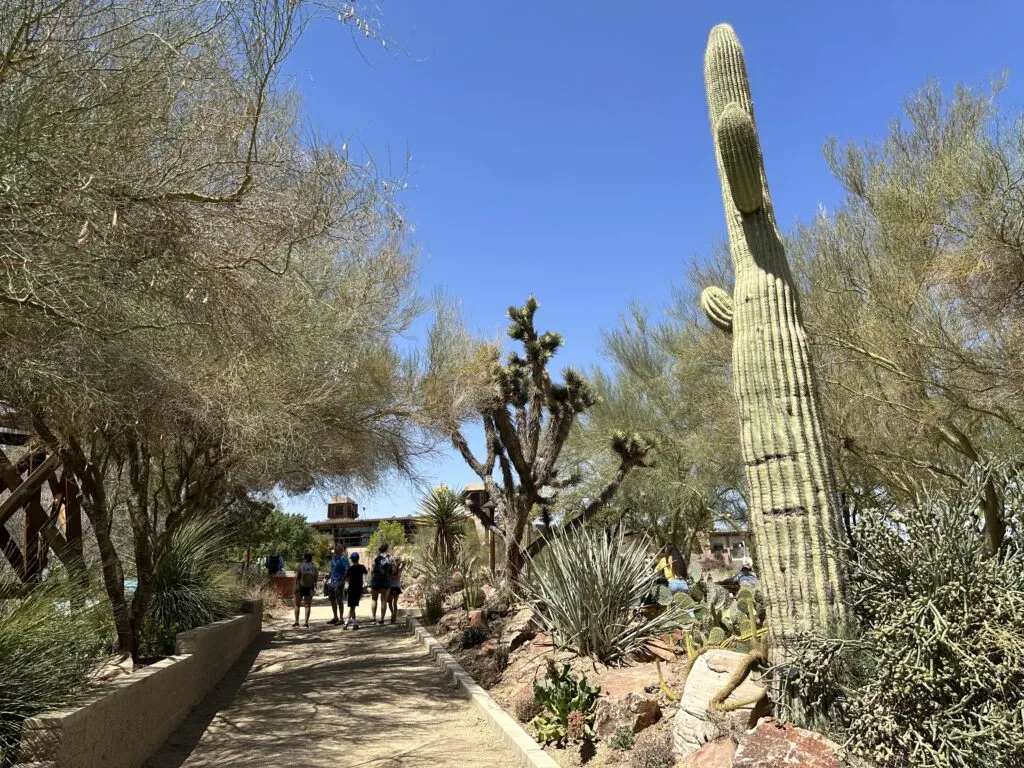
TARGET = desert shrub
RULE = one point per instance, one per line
(586, 587)
(433, 606)
(501, 654)
(192, 587)
(525, 706)
(50, 644)
(622, 739)
(472, 637)
(652, 750)
(935, 675)
(568, 706)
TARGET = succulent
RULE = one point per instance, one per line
(793, 501)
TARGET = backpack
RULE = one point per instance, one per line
(307, 575)
(382, 570)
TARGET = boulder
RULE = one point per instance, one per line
(696, 723)
(488, 590)
(519, 630)
(635, 711)
(772, 744)
(715, 754)
(477, 619)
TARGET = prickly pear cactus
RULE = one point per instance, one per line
(793, 502)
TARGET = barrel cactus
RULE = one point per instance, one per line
(793, 501)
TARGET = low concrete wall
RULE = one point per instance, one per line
(125, 722)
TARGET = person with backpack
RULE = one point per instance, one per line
(305, 583)
(272, 563)
(380, 583)
(336, 583)
(396, 586)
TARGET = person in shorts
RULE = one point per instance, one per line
(396, 586)
(305, 582)
(336, 583)
(380, 582)
(354, 577)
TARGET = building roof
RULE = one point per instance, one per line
(363, 522)
(342, 500)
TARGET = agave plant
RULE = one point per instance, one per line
(443, 517)
(586, 588)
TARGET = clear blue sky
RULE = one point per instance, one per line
(563, 148)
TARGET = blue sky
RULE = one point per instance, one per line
(563, 149)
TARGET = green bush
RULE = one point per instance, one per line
(192, 586)
(50, 644)
(388, 531)
(568, 706)
(935, 675)
(623, 739)
(586, 588)
(433, 606)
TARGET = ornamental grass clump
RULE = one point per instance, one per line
(586, 588)
(51, 642)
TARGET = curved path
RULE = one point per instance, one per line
(326, 697)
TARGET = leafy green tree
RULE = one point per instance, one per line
(389, 531)
(290, 534)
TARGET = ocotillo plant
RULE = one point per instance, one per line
(793, 502)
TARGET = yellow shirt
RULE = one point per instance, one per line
(665, 566)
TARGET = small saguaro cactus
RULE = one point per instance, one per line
(793, 501)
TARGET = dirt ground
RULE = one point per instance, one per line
(326, 697)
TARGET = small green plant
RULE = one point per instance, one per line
(568, 705)
(433, 606)
(623, 739)
(472, 637)
(156, 640)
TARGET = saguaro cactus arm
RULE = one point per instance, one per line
(793, 504)
(717, 305)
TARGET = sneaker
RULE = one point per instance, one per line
(333, 621)
(295, 624)
(307, 625)
(355, 626)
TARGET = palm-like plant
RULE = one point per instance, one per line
(443, 517)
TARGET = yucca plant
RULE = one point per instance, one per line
(192, 587)
(50, 644)
(443, 518)
(586, 588)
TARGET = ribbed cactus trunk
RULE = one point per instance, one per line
(794, 514)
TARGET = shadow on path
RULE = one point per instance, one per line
(323, 696)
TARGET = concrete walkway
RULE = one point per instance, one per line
(326, 697)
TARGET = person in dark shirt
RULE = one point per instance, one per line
(355, 575)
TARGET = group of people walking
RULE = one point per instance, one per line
(345, 584)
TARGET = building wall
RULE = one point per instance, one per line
(127, 720)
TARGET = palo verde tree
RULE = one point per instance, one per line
(527, 418)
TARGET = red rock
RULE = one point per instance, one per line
(715, 754)
(477, 619)
(771, 744)
(542, 638)
(621, 681)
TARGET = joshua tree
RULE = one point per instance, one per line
(527, 419)
(794, 511)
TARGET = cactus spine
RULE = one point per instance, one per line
(793, 500)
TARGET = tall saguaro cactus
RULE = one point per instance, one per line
(793, 500)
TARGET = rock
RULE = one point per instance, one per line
(715, 754)
(458, 580)
(635, 711)
(452, 621)
(477, 619)
(619, 682)
(695, 722)
(772, 744)
(488, 590)
(519, 629)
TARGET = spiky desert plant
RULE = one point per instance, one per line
(585, 589)
(793, 501)
(192, 586)
(444, 518)
(50, 644)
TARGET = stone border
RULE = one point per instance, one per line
(512, 734)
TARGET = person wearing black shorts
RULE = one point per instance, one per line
(354, 576)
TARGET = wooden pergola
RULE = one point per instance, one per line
(53, 525)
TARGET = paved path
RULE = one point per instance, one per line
(326, 697)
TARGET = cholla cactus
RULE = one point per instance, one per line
(793, 501)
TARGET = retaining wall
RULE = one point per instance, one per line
(127, 720)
